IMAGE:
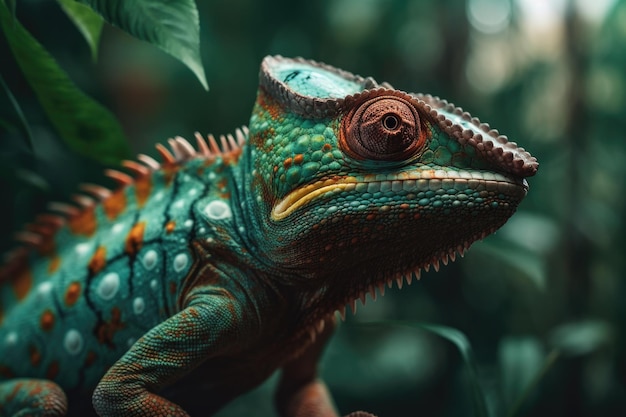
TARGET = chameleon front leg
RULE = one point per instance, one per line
(166, 353)
(300, 392)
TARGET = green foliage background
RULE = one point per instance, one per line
(540, 303)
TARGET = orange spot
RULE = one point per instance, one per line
(134, 240)
(327, 147)
(23, 283)
(107, 329)
(143, 187)
(98, 260)
(35, 355)
(404, 206)
(46, 321)
(170, 226)
(72, 293)
(298, 159)
(275, 168)
(54, 264)
(115, 204)
(287, 162)
(53, 370)
(370, 216)
(84, 223)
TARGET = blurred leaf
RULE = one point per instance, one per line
(520, 358)
(532, 384)
(20, 114)
(87, 22)
(530, 264)
(84, 125)
(171, 25)
(582, 337)
(460, 341)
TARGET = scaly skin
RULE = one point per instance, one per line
(219, 265)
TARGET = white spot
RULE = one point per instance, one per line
(11, 338)
(188, 223)
(217, 210)
(180, 262)
(179, 204)
(182, 240)
(82, 248)
(210, 240)
(139, 305)
(108, 286)
(150, 259)
(211, 176)
(154, 285)
(73, 342)
(202, 230)
(44, 288)
(242, 229)
(192, 192)
(158, 196)
(117, 228)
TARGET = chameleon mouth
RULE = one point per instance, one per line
(303, 195)
(405, 182)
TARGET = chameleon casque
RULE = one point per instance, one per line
(225, 262)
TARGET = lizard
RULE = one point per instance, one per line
(223, 262)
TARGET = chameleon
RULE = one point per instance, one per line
(220, 263)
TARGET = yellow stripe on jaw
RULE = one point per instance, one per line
(301, 196)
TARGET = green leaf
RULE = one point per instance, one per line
(85, 126)
(460, 341)
(172, 25)
(18, 110)
(87, 22)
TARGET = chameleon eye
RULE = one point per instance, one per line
(382, 128)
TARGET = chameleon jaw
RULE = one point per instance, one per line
(414, 181)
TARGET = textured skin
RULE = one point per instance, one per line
(219, 265)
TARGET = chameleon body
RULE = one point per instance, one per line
(223, 263)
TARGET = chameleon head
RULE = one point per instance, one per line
(360, 183)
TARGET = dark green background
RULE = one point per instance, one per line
(545, 294)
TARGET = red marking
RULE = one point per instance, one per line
(134, 240)
(370, 216)
(115, 204)
(23, 284)
(327, 147)
(107, 329)
(46, 321)
(143, 187)
(170, 226)
(35, 355)
(84, 223)
(287, 162)
(298, 159)
(275, 168)
(416, 216)
(91, 358)
(53, 370)
(6, 372)
(54, 264)
(98, 261)
(269, 105)
(72, 294)
(172, 287)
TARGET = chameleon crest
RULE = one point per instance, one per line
(221, 263)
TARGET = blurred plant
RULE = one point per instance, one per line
(83, 124)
